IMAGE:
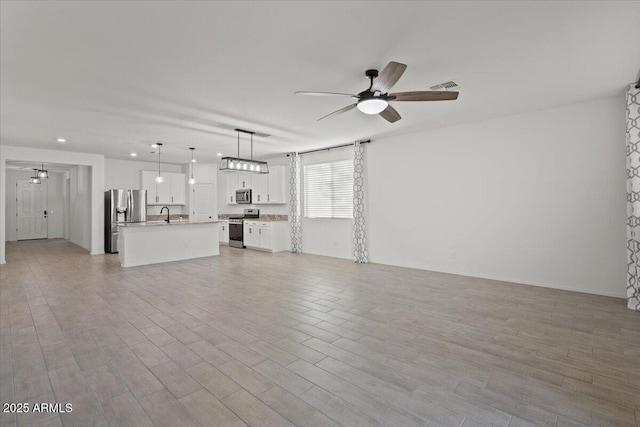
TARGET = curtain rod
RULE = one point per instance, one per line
(331, 148)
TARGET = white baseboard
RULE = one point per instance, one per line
(540, 285)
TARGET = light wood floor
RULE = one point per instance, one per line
(280, 339)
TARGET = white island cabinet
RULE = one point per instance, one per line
(153, 243)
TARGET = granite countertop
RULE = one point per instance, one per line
(164, 223)
(263, 218)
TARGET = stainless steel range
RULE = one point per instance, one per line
(236, 225)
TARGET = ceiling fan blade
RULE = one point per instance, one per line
(389, 76)
(311, 93)
(424, 95)
(340, 111)
(390, 114)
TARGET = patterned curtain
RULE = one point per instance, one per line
(360, 253)
(633, 197)
(294, 211)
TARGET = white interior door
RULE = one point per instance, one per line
(202, 206)
(31, 215)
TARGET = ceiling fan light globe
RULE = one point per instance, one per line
(159, 179)
(372, 105)
(192, 181)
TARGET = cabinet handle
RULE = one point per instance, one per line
(260, 231)
(172, 198)
(157, 199)
(268, 197)
(258, 197)
(249, 231)
(231, 198)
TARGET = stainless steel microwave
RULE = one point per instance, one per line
(243, 196)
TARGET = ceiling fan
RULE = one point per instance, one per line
(375, 100)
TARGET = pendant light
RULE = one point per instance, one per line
(35, 179)
(159, 178)
(192, 180)
(245, 165)
(42, 173)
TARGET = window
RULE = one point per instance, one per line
(328, 190)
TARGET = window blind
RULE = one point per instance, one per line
(328, 190)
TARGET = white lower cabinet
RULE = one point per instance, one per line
(224, 232)
(272, 236)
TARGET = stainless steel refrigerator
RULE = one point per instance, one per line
(122, 206)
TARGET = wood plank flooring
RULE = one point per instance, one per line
(251, 338)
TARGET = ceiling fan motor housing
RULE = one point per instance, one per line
(372, 102)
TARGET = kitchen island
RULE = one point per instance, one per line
(155, 242)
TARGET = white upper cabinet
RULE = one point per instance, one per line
(276, 189)
(260, 189)
(149, 184)
(232, 186)
(177, 183)
(268, 188)
(169, 192)
(244, 180)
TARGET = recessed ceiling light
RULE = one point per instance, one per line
(61, 140)
(133, 154)
(219, 154)
(154, 145)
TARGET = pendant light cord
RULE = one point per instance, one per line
(159, 152)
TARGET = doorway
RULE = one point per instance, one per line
(202, 207)
(31, 210)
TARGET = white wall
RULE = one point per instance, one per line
(126, 173)
(55, 206)
(536, 198)
(80, 212)
(94, 161)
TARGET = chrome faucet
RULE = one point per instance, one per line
(168, 218)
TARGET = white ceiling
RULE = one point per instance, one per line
(113, 77)
(30, 166)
